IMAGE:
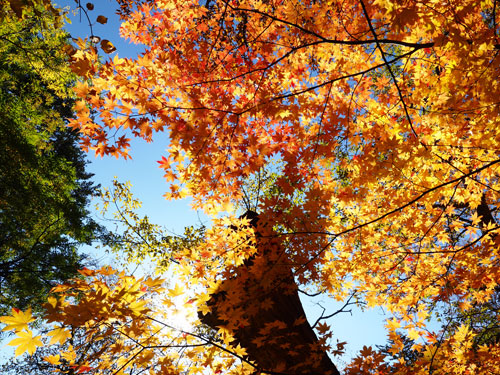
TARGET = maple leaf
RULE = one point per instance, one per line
(138, 307)
(322, 328)
(17, 321)
(461, 334)
(285, 113)
(366, 351)
(239, 351)
(82, 369)
(413, 334)
(59, 335)
(53, 359)
(69, 355)
(393, 324)
(26, 342)
(86, 272)
(259, 341)
(154, 282)
(176, 291)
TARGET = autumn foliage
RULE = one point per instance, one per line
(376, 124)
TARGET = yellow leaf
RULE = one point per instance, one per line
(18, 321)
(169, 303)
(461, 333)
(239, 351)
(137, 307)
(53, 359)
(177, 291)
(422, 314)
(150, 282)
(393, 324)
(69, 355)
(60, 288)
(203, 309)
(413, 334)
(59, 335)
(285, 113)
(52, 301)
(26, 343)
(429, 353)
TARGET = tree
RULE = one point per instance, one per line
(45, 187)
(48, 359)
(381, 122)
(135, 239)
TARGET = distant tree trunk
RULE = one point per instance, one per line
(261, 305)
(484, 212)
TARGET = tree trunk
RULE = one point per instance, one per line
(261, 306)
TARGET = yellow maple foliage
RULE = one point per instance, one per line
(18, 321)
(25, 342)
(59, 335)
